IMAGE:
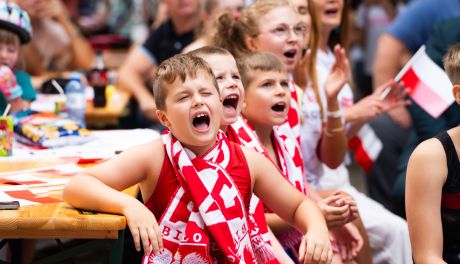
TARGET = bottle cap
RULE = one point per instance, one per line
(75, 76)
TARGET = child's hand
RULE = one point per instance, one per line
(335, 210)
(301, 69)
(8, 85)
(353, 207)
(144, 228)
(339, 74)
(315, 248)
(349, 241)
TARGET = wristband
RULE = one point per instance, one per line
(334, 114)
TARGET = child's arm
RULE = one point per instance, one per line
(281, 197)
(98, 189)
(426, 174)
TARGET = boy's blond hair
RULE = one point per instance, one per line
(452, 63)
(258, 61)
(180, 66)
(209, 50)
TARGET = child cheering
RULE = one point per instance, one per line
(196, 182)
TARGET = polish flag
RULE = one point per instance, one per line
(366, 146)
(427, 83)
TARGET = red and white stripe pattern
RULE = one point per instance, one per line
(293, 119)
(261, 242)
(247, 135)
(366, 146)
(427, 83)
(288, 137)
(290, 159)
(212, 206)
(291, 167)
(287, 147)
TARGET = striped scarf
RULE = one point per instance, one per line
(213, 207)
(241, 133)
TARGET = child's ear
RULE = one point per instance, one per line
(250, 43)
(456, 93)
(163, 118)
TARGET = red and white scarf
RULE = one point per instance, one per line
(291, 164)
(289, 158)
(287, 147)
(292, 123)
(247, 136)
(212, 208)
(242, 134)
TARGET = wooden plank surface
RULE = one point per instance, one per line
(55, 220)
(58, 220)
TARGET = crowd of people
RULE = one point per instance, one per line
(258, 103)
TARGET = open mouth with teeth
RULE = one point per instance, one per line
(231, 101)
(279, 107)
(201, 122)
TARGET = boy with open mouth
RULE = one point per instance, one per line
(196, 183)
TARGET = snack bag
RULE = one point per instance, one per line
(48, 130)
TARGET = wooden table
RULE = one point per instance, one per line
(110, 114)
(60, 220)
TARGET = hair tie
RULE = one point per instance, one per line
(236, 15)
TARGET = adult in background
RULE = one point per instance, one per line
(404, 37)
(164, 42)
(57, 44)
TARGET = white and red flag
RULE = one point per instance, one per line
(366, 146)
(427, 84)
